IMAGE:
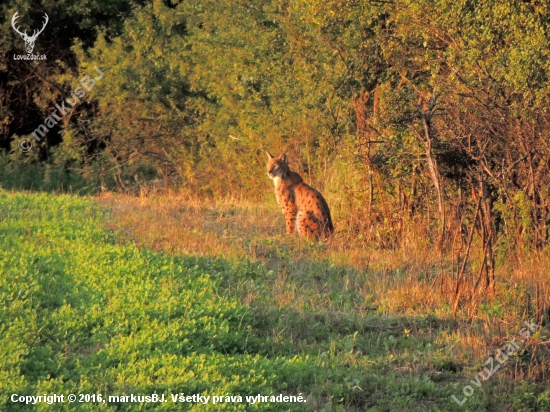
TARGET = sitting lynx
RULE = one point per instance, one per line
(304, 208)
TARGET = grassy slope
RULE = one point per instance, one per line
(244, 311)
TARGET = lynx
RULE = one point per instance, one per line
(305, 209)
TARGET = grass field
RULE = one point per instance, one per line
(126, 295)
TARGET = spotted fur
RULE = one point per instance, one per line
(305, 209)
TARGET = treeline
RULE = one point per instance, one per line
(432, 111)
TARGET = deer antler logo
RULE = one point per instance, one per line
(29, 40)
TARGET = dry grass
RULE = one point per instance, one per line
(235, 229)
(344, 276)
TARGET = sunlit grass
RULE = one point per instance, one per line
(344, 278)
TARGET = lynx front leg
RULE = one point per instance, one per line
(290, 220)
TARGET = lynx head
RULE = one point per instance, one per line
(277, 167)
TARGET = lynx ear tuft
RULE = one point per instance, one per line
(269, 155)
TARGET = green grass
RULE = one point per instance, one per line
(81, 312)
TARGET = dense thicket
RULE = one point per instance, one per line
(407, 110)
(29, 90)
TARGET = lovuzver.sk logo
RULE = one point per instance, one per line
(29, 40)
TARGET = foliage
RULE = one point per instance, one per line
(199, 89)
(30, 89)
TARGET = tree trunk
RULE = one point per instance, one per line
(433, 168)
